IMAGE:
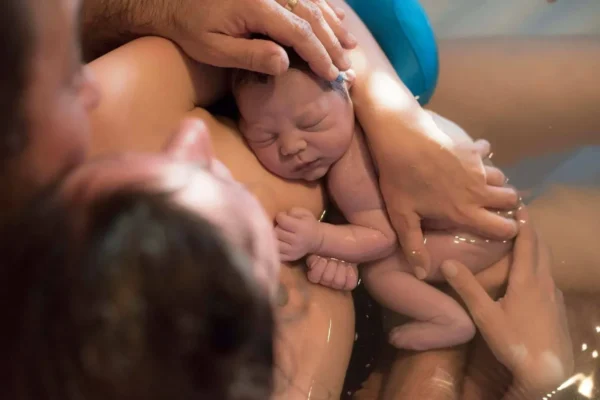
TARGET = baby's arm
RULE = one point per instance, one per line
(353, 188)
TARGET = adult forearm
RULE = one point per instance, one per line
(108, 24)
(381, 99)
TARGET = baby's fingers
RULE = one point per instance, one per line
(286, 221)
(285, 251)
(284, 235)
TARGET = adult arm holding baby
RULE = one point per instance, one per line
(423, 175)
(216, 32)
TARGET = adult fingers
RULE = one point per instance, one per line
(501, 197)
(525, 250)
(339, 12)
(410, 236)
(258, 55)
(483, 147)
(494, 176)
(313, 12)
(492, 225)
(486, 313)
(272, 19)
(334, 20)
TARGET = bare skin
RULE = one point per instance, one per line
(316, 323)
(312, 134)
(307, 136)
(534, 116)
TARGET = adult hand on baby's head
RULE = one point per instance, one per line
(448, 185)
(527, 329)
(217, 32)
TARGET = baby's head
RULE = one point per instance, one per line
(296, 123)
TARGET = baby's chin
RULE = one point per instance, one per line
(310, 176)
(314, 174)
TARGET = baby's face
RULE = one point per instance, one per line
(296, 128)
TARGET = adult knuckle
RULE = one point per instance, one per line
(314, 12)
(303, 29)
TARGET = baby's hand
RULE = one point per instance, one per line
(298, 233)
(333, 273)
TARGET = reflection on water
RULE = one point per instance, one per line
(567, 218)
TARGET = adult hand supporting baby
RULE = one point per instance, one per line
(216, 32)
(526, 329)
(444, 185)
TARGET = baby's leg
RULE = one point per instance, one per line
(473, 251)
(440, 320)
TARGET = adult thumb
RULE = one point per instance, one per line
(257, 55)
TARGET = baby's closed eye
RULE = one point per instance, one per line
(261, 138)
(313, 124)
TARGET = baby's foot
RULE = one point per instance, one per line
(333, 273)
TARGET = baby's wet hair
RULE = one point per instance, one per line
(144, 301)
(241, 77)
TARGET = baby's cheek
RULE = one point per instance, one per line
(269, 158)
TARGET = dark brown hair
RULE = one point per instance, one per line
(16, 43)
(147, 302)
(16, 49)
(241, 77)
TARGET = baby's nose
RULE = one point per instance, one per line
(292, 145)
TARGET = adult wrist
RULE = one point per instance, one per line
(151, 17)
(108, 24)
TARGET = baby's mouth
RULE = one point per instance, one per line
(306, 165)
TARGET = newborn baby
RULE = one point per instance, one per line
(301, 127)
